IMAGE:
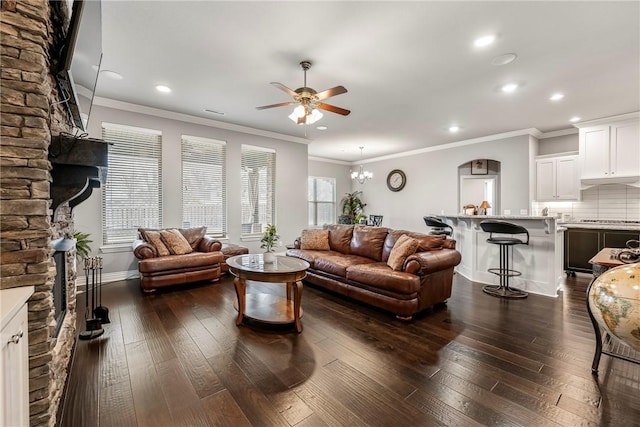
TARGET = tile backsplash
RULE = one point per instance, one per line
(609, 201)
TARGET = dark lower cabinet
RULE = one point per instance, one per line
(581, 244)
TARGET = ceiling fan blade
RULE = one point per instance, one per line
(284, 89)
(338, 90)
(332, 108)
(282, 104)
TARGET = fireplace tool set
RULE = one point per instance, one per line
(95, 315)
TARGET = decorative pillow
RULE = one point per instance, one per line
(404, 247)
(315, 239)
(153, 238)
(176, 242)
(368, 241)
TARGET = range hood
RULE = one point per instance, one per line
(78, 166)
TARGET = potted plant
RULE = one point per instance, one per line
(269, 239)
(352, 206)
(82, 244)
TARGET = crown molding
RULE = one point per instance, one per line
(609, 119)
(530, 132)
(337, 162)
(561, 132)
(156, 112)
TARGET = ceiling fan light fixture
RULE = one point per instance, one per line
(301, 115)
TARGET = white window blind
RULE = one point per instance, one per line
(204, 185)
(258, 176)
(132, 196)
(322, 201)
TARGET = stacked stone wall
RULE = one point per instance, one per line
(30, 111)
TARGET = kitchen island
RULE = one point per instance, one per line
(540, 262)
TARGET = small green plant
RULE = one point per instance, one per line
(82, 244)
(359, 218)
(269, 238)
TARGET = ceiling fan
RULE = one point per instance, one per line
(308, 100)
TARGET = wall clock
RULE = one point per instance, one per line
(396, 180)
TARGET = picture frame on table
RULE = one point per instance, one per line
(480, 167)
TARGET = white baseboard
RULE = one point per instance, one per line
(109, 277)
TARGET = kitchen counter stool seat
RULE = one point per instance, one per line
(503, 290)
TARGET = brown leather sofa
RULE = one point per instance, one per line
(356, 266)
(203, 263)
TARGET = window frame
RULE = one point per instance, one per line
(316, 202)
(222, 158)
(119, 136)
(270, 199)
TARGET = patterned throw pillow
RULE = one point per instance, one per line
(176, 242)
(315, 239)
(404, 247)
(153, 238)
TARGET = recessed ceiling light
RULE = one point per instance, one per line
(454, 128)
(575, 119)
(112, 74)
(214, 112)
(163, 89)
(505, 59)
(484, 40)
(510, 87)
(556, 97)
(322, 127)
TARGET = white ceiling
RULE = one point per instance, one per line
(410, 68)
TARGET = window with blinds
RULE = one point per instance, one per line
(322, 201)
(204, 185)
(132, 196)
(258, 176)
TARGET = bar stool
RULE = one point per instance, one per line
(504, 272)
(437, 226)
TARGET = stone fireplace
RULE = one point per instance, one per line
(31, 114)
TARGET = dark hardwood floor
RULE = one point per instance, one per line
(176, 358)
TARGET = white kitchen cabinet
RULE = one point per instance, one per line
(14, 357)
(557, 178)
(610, 152)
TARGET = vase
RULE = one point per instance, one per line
(269, 257)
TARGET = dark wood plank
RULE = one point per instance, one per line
(177, 358)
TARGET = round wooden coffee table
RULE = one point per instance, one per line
(266, 307)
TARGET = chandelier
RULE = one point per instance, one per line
(361, 175)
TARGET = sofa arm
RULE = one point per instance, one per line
(209, 244)
(143, 250)
(423, 263)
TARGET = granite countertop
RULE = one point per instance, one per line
(600, 226)
(495, 216)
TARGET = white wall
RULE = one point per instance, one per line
(432, 181)
(291, 182)
(558, 144)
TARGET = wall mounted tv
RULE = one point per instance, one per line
(80, 60)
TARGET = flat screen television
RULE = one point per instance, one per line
(80, 60)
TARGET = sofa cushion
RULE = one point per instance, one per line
(404, 247)
(176, 242)
(368, 241)
(153, 238)
(193, 235)
(427, 242)
(380, 275)
(314, 239)
(340, 237)
(180, 262)
(310, 255)
(337, 263)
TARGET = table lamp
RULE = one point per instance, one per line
(484, 206)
